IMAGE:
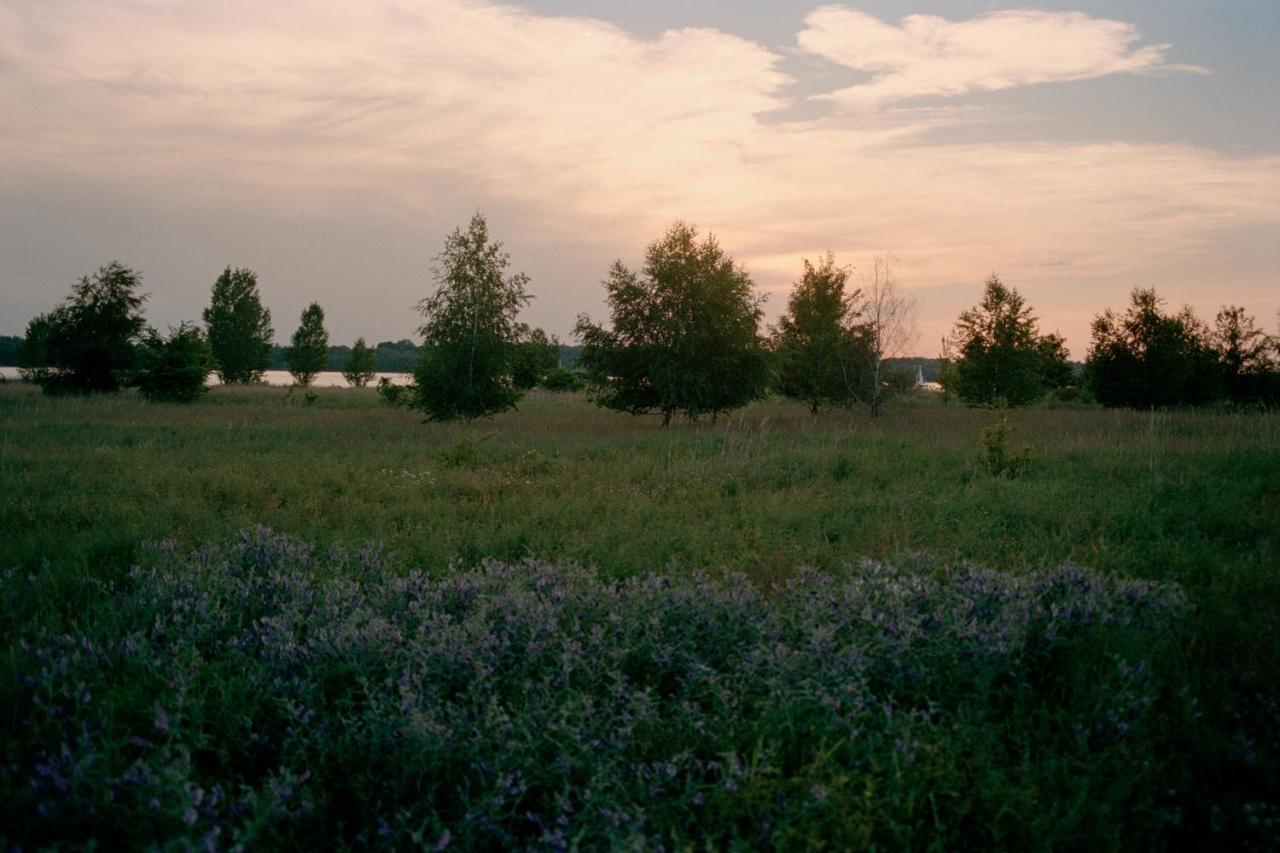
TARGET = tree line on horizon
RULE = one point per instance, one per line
(683, 338)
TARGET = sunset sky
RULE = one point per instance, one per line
(1078, 149)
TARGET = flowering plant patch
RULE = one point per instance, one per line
(266, 693)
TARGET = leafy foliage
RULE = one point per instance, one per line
(278, 695)
(535, 356)
(9, 346)
(239, 327)
(33, 350)
(1057, 371)
(560, 379)
(1000, 354)
(395, 396)
(88, 343)
(174, 369)
(1148, 358)
(361, 365)
(308, 352)
(998, 457)
(1248, 357)
(819, 347)
(684, 334)
(397, 356)
(470, 330)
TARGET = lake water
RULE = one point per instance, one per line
(327, 379)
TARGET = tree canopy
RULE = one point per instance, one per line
(819, 346)
(1000, 353)
(361, 365)
(684, 336)
(1249, 359)
(175, 368)
(239, 327)
(1149, 358)
(470, 329)
(308, 352)
(536, 354)
(88, 343)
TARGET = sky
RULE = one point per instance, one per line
(1078, 150)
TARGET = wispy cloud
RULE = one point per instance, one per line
(403, 107)
(929, 55)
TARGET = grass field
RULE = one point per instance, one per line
(1190, 500)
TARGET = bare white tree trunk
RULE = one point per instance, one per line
(891, 322)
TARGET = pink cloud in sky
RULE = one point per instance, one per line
(929, 55)
(400, 109)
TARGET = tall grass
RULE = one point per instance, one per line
(1191, 498)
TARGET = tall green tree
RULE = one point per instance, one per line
(470, 329)
(174, 369)
(1246, 356)
(685, 333)
(308, 351)
(361, 366)
(89, 342)
(1000, 354)
(818, 345)
(1149, 358)
(239, 327)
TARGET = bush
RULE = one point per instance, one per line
(268, 694)
(1070, 394)
(360, 365)
(534, 355)
(395, 396)
(174, 369)
(563, 380)
(998, 457)
(88, 344)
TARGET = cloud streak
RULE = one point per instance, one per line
(928, 55)
(406, 110)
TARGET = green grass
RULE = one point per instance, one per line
(1189, 497)
(1185, 496)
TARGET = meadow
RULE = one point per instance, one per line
(775, 630)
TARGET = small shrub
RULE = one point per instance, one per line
(1000, 459)
(395, 396)
(361, 366)
(174, 369)
(464, 453)
(563, 380)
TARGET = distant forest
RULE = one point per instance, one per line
(400, 357)
(389, 357)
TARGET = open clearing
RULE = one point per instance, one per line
(1190, 500)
